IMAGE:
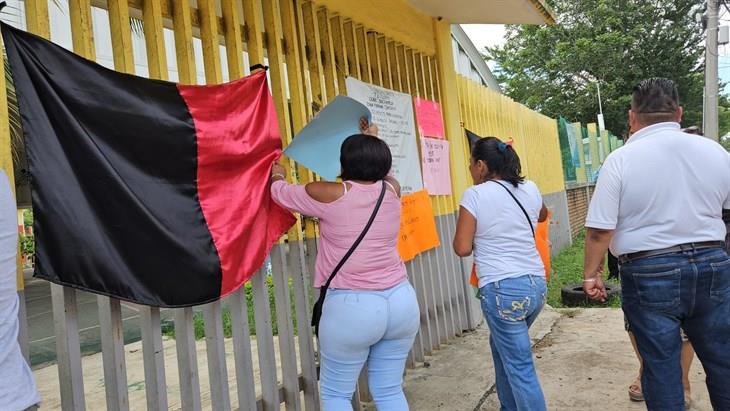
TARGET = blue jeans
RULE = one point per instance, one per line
(377, 327)
(510, 307)
(690, 290)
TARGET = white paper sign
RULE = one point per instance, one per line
(393, 113)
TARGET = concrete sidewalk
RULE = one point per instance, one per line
(584, 361)
(460, 376)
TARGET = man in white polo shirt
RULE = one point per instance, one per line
(658, 203)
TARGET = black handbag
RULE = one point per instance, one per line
(317, 309)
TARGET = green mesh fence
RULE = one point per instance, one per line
(567, 149)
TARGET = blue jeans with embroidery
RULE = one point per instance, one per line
(510, 306)
(689, 289)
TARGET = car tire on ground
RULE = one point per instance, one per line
(572, 295)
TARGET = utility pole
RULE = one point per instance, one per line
(601, 122)
(711, 82)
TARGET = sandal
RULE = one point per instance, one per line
(635, 393)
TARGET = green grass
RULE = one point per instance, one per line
(168, 327)
(567, 269)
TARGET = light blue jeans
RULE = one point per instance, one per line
(510, 307)
(374, 326)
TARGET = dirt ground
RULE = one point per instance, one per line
(585, 363)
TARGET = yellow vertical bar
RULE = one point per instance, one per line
(377, 76)
(394, 66)
(82, 32)
(313, 52)
(297, 90)
(293, 66)
(479, 95)
(121, 36)
(36, 18)
(434, 79)
(154, 36)
(384, 62)
(351, 46)
(338, 43)
(232, 34)
(38, 25)
(254, 37)
(403, 68)
(413, 77)
(426, 69)
(209, 38)
(473, 115)
(363, 52)
(276, 57)
(420, 75)
(328, 64)
(183, 30)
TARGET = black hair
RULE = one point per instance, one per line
(501, 159)
(655, 100)
(365, 158)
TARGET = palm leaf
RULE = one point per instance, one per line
(17, 146)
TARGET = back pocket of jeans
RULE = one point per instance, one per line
(513, 309)
(720, 288)
(658, 291)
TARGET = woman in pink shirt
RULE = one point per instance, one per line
(370, 313)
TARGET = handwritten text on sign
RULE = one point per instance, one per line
(435, 163)
(393, 113)
(417, 226)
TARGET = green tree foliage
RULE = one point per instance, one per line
(554, 69)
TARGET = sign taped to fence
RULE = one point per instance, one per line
(435, 164)
(393, 113)
(417, 226)
(317, 145)
(428, 116)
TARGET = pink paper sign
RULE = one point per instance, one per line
(435, 164)
(428, 117)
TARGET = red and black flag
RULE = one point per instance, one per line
(145, 190)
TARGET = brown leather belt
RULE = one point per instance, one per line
(625, 258)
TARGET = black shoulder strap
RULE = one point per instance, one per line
(359, 239)
(519, 204)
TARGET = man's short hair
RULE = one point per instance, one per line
(655, 100)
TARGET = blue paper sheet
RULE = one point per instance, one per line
(317, 145)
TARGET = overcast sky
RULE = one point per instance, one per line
(483, 35)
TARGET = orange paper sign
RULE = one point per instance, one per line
(417, 226)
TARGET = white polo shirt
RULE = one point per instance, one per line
(663, 188)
